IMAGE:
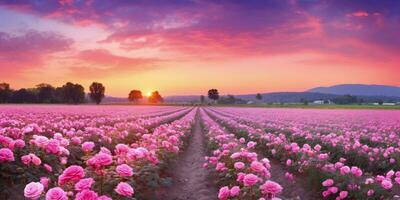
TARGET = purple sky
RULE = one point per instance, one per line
(181, 47)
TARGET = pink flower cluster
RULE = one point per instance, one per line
(51, 140)
(236, 158)
(366, 134)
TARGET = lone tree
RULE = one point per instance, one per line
(135, 95)
(202, 99)
(213, 94)
(97, 92)
(155, 97)
(73, 93)
(5, 92)
(259, 97)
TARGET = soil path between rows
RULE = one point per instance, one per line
(291, 190)
(191, 180)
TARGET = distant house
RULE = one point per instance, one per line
(389, 104)
(250, 102)
(320, 102)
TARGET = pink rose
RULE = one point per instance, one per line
(333, 190)
(76, 140)
(344, 170)
(41, 141)
(86, 195)
(6, 155)
(257, 166)
(33, 190)
(250, 179)
(326, 193)
(73, 173)
(48, 168)
(251, 144)
(100, 160)
(104, 197)
(26, 159)
(240, 177)
(343, 194)
(121, 149)
(239, 165)
(271, 188)
(87, 147)
(356, 171)
(124, 189)
(317, 147)
(124, 170)
(328, 183)
(289, 162)
(56, 194)
(19, 143)
(44, 181)
(84, 184)
(224, 193)
(235, 190)
(35, 160)
(387, 184)
(53, 146)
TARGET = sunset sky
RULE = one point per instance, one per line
(187, 47)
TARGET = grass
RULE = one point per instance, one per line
(325, 106)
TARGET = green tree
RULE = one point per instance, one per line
(135, 95)
(259, 97)
(24, 96)
(155, 97)
(97, 91)
(73, 93)
(213, 94)
(5, 92)
(46, 93)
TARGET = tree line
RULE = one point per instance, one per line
(213, 95)
(69, 93)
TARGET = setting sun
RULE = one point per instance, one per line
(148, 94)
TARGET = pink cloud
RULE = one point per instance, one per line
(29, 50)
(359, 14)
(100, 62)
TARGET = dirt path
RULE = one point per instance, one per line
(191, 180)
(291, 190)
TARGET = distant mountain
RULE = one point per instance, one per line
(288, 97)
(359, 90)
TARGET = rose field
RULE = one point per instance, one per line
(88, 152)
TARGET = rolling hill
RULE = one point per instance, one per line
(359, 90)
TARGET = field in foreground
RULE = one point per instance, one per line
(167, 152)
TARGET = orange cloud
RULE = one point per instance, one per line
(101, 62)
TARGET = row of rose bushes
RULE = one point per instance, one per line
(240, 172)
(335, 180)
(120, 159)
(368, 139)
